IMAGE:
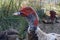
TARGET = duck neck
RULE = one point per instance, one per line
(32, 20)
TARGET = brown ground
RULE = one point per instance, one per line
(48, 28)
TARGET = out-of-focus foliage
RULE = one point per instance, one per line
(7, 20)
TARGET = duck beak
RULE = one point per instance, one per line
(17, 13)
